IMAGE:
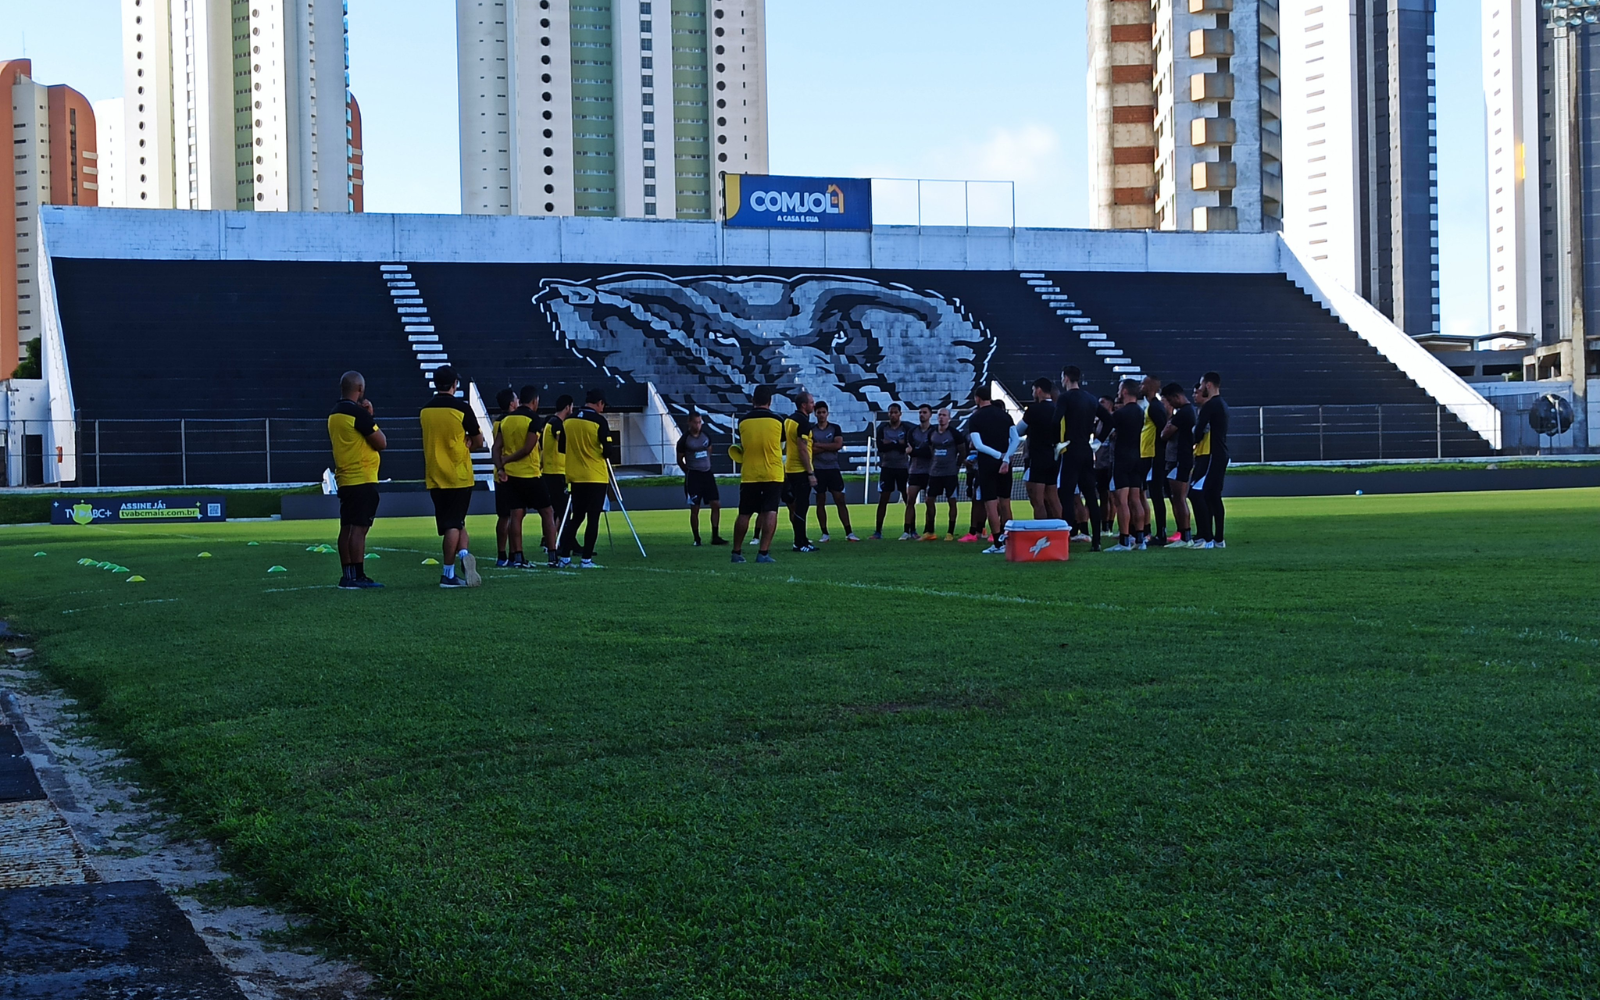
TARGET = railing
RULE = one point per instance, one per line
(116, 452)
(903, 201)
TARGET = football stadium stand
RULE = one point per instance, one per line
(205, 348)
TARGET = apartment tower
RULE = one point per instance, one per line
(236, 104)
(1184, 115)
(54, 161)
(624, 108)
(1361, 153)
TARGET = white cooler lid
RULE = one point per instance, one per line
(1055, 524)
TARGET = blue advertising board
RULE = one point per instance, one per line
(137, 510)
(767, 201)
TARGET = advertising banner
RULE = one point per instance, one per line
(766, 201)
(137, 510)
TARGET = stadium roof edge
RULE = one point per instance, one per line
(145, 234)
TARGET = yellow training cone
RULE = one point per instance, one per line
(430, 561)
(203, 555)
(277, 569)
(135, 579)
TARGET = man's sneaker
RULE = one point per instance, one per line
(560, 562)
(368, 583)
(1143, 545)
(1174, 538)
(502, 563)
(1002, 539)
(1158, 542)
(1080, 537)
(764, 558)
(737, 558)
(852, 537)
(995, 550)
(451, 582)
(1119, 547)
(697, 543)
(825, 538)
(877, 536)
(1222, 545)
(906, 536)
(969, 537)
(1205, 545)
(930, 537)
(950, 537)
(470, 564)
(718, 540)
(808, 547)
(349, 583)
(590, 564)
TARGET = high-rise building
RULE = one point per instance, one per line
(54, 161)
(1360, 162)
(236, 104)
(358, 180)
(108, 120)
(628, 108)
(1184, 114)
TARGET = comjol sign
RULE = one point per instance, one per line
(765, 201)
(106, 510)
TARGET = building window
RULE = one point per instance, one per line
(649, 208)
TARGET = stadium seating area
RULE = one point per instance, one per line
(182, 370)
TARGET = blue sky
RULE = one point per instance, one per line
(874, 88)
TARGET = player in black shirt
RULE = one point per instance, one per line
(993, 436)
(1127, 424)
(1079, 418)
(1041, 429)
(1155, 419)
(1212, 423)
(894, 471)
(1179, 436)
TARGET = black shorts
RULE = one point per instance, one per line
(1184, 469)
(893, 481)
(760, 498)
(1102, 478)
(525, 493)
(450, 507)
(1043, 471)
(1075, 474)
(917, 479)
(700, 488)
(358, 504)
(943, 486)
(992, 483)
(1147, 473)
(829, 481)
(1127, 472)
(555, 488)
(503, 500)
(796, 488)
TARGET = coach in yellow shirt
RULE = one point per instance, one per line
(450, 433)
(357, 444)
(759, 450)
(590, 446)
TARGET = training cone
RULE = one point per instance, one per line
(38, 554)
(203, 555)
(134, 579)
(252, 543)
(372, 555)
(276, 569)
(85, 561)
(430, 561)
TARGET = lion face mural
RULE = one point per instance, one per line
(707, 342)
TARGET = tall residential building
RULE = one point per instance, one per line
(109, 122)
(358, 179)
(54, 161)
(1361, 169)
(236, 104)
(566, 111)
(1184, 114)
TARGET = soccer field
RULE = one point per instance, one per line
(1355, 754)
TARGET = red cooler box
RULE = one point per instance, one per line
(1037, 541)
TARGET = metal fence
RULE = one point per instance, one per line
(116, 452)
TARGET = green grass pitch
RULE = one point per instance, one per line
(1356, 754)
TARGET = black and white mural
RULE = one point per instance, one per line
(708, 341)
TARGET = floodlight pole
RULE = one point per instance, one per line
(1569, 224)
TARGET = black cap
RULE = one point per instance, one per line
(595, 396)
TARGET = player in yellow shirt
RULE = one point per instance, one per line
(450, 433)
(553, 455)
(590, 447)
(799, 475)
(759, 450)
(357, 444)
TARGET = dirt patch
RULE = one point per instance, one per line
(127, 838)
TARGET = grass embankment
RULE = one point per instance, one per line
(1352, 755)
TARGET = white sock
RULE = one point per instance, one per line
(462, 554)
(450, 572)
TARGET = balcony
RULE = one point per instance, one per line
(1214, 176)
(1211, 87)
(1210, 6)
(1213, 132)
(1210, 43)
(1216, 218)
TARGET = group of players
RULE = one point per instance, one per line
(1115, 460)
(1124, 456)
